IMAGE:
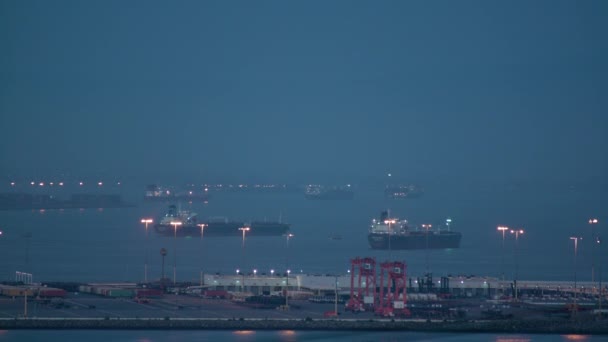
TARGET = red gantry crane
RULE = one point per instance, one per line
(393, 302)
(362, 296)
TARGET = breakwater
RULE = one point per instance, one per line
(499, 326)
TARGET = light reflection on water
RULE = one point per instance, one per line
(278, 336)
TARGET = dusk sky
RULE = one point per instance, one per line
(305, 91)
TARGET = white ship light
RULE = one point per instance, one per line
(100, 183)
(12, 183)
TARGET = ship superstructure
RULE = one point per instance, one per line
(393, 233)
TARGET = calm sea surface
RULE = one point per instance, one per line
(111, 244)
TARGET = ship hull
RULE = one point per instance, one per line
(214, 229)
(442, 240)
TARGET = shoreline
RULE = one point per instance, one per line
(498, 326)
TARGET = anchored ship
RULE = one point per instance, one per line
(392, 233)
(186, 223)
(403, 191)
(161, 194)
(320, 192)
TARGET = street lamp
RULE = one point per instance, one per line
(427, 227)
(175, 224)
(575, 239)
(146, 221)
(503, 230)
(244, 230)
(287, 290)
(390, 232)
(592, 223)
(163, 253)
(202, 225)
(287, 236)
(517, 232)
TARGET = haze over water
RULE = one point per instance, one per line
(110, 244)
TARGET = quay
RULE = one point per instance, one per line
(310, 302)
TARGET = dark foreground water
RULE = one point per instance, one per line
(111, 244)
(282, 336)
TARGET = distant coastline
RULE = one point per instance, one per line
(487, 326)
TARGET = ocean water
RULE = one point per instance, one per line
(111, 244)
(279, 336)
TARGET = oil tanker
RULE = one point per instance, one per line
(185, 223)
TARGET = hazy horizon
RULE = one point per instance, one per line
(340, 91)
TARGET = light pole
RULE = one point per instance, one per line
(336, 297)
(575, 239)
(502, 266)
(517, 232)
(238, 272)
(592, 223)
(287, 236)
(175, 224)
(287, 290)
(146, 222)
(427, 227)
(202, 225)
(244, 230)
(163, 253)
(390, 232)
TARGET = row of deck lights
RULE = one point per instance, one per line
(32, 183)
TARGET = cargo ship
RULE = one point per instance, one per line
(392, 233)
(155, 193)
(403, 191)
(191, 225)
(320, 192)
